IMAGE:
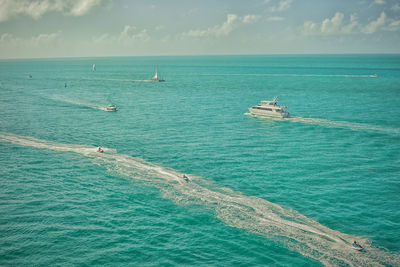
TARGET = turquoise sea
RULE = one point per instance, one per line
(263, 192)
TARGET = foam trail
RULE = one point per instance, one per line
(122, 80)
(344, 124)
(83, 104)
(293, 75)
(336, 124)
(285, 226)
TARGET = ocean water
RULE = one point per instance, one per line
(263, 192)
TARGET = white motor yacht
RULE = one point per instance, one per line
(269, 108)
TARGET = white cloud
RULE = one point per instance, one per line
(250, 19)
(129, 36)
(276, 19)
(379, 2)
(45, 39)
(396, 7)
(310, 28)
(41, 40)
(393, 26)
(81, 7)
(232, 22)
(330, 26)
(333, 25)
(349, 27)
(159, 27)
(282, 5)
(373, 26)
(336, 25)
(35, 9)
(8, 39)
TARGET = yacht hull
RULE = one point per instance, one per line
(268, 114)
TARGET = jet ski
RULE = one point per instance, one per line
(356, 246)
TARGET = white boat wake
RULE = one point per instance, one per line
(336, 124)
(284, 226)
(80, 103)
(344, 124)
(293, 75)
(121, 80)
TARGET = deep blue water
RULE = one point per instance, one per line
(295, 192)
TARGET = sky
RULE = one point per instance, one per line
(96, 28)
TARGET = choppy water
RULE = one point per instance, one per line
(262, 192)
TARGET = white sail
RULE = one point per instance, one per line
(155, 77)
(94, 67)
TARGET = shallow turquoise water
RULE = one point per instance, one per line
(336, 162)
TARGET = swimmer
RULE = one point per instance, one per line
(100, 150)
(357, 246)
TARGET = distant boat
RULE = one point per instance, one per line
(94, 67)
(111, 108)
(155, 78)
(270, 108)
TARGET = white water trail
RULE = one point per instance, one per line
(121, 80)
(293, 75)
(336, 124)
(80, 103)
(285, 226)
(344, 124)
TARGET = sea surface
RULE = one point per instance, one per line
(262, 192)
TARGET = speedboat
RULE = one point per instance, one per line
(269, 108)
(111, 108)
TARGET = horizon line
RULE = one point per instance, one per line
(194, 55)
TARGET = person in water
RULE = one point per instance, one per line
(186, 178)
(100, 150)
(356, 244)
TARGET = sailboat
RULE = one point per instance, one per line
(155, 78)
(94, 67)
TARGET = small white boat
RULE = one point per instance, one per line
(155, 78)
(269, 108)
(111, 108)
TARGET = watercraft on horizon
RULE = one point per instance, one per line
(155, 78)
